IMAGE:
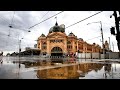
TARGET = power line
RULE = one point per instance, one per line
(9, 32)
(44, 15)
(3, 34)
(45, 20)
(83, 19)
(11, 23)
(13, 17)
(93, 38)
(21, 29)
(25, 23)
(40, 19)
(4, 20)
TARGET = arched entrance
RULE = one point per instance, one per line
(56, 51)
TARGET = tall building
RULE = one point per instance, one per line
(57, 43)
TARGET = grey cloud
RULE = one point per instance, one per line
(24, 19)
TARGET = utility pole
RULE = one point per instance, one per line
(113, 46)
(19, 47)
(19, 54)
(102, 40)
(117, 34)
(117, 29)
(109, 47)
(109, 44)
(102, 37)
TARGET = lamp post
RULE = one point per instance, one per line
(109, 48)
(109, 44)
(101, 36)
(113, 46)
(19, 55)
(20, 46)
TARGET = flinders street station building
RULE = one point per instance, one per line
(57, 43)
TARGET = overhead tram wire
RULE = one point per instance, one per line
(26, 30)
(83, 19)
(7, 34)
(12, 18)
(45, 20)
(44, 15)
(93, 38)
(4, 20)
(11, 23)
(10, 26)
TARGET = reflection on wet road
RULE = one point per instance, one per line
(35, 68)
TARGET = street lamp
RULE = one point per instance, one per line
(109, 44)
(101, 35)
(113, 46)
(19, 54)
(20, 46)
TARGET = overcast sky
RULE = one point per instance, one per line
(24, 19)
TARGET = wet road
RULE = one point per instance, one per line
(37, 68)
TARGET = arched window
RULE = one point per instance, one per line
(44, 43)
(56, 49)
(68, 42)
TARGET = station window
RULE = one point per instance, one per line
(52, 41)
(76, 47)
(68, 42)
(43, 47)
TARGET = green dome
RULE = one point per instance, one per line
(57, 28)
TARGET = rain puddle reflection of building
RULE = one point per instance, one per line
(68, 72)
(65, 69)
(74, 70)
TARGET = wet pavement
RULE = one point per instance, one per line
(41, 68)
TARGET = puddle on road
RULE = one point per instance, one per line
(12, 68)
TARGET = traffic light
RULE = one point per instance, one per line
(112, 29)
